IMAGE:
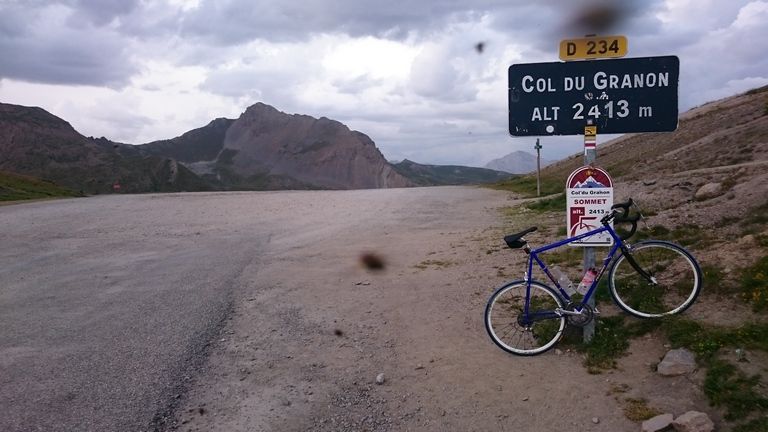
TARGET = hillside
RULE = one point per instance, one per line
(704, 185)
(518, 162)
(15, 187)
(34, 142)
(437, 175)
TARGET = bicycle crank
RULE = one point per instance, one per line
(579, 318)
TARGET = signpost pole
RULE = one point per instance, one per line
(590, 156)
(538, 167)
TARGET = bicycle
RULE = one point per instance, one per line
(648, 279)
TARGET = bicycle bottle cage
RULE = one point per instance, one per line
(516, 241)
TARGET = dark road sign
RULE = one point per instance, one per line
(617, 96)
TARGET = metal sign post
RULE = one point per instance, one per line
(538, 167)
(590, 156)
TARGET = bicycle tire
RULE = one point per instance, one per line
(675, 284)
(503, 326)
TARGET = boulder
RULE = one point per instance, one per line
(709, 190)
(693, 421)
(677, 362)
(658, 423)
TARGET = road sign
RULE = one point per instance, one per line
(618, 96)
(593, 48)
(589, 196)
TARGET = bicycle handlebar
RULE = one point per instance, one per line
(620, 214)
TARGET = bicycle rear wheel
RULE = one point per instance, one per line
(515, 334)
(672, 284)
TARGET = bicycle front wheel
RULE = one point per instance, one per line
(655, 279)
(516, 333)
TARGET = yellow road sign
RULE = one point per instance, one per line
(593, 47)
(590, 131)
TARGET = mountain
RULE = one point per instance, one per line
(435, 175)
(262, 149)
(518, 162)
(269, 149)
(34, 142)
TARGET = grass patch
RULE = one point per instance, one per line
(754, 284)
(712, 279)
(756, 425)
(15, 187)
(685, 235)
(554, 204)
(434, 263)
(728, 387)
(755, 221)
(611, 341)
(568, 257)
(637, 409)
(526, 185)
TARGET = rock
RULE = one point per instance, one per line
(747, 240)
(741, 355)
(693, 421)
(677, 362)
(380, 379)
(419, 366)
(595, 420)
(709, 190)
(658, 423)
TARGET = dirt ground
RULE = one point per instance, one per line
(312, 329)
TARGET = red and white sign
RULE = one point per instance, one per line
(589, 195)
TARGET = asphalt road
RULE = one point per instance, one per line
(107, 304)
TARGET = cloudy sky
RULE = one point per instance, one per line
(407, 73)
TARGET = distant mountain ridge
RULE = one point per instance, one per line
(434, 175)
(517, 162)
(36, 143)
(263, 149)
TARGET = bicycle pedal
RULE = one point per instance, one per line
(595, 311)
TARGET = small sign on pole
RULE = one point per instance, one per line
(590, 138)
(593, 47)
(589, 196)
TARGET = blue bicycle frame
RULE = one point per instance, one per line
(533, 255)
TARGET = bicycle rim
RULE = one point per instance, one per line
(503, 319)
(675, 280)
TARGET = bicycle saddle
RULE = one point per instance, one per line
(514, 241)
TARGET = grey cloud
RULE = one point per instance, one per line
(47, 50)
(101, 12)
(355, 85)
(66, 59)
(234, 22)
